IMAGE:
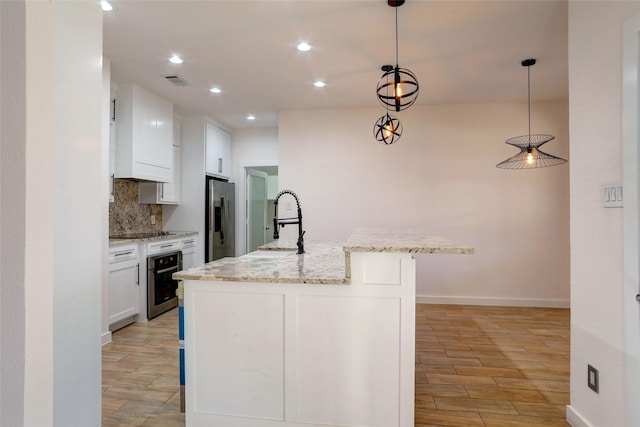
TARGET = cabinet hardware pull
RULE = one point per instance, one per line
(113, 118)
(638, 297)
(219, 164)
(162, 190)
(166, 246)
(138, 274)
(124, 253)
(113, 184)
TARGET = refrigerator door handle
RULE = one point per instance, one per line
(211, 224)
(211, 209)
(223, 219)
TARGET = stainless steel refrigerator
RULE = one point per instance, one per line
(219, 220)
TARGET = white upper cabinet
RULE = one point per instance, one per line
(144, 135)
(218, 152)
(166, 193)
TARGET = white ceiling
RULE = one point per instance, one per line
(461, 52)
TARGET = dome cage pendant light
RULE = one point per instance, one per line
(404, 83)
(530, 156)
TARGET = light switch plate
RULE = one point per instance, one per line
(612, 195)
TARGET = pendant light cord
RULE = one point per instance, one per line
(396, 37)
(529, 99)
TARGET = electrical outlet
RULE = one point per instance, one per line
(153, 219)
(592, 378)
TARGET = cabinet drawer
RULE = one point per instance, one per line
(123, 253)
(163, 246)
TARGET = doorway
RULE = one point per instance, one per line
(256, 227)
(257, 189)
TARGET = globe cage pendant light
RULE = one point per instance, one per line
(388, 129)
(404, 83)
(530, 156)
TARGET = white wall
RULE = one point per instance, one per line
(12, 219)
(104, 223)
(249, 147)
(597, 327)
(441, 177)
(189, 214)
(56, 273)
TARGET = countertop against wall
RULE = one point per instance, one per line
(135, 238)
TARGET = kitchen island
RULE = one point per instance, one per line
(326, 338)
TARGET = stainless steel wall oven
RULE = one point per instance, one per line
(161, 288)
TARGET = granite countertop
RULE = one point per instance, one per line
(407, 241)
(322, 262)
(149, 238)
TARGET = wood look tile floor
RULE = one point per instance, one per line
(475, 366)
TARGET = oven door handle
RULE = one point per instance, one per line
(166, 270)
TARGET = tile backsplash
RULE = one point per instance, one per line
(127, 216)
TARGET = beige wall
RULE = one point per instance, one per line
(441, 177)
(249, 147)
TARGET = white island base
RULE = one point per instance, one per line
(277, 353)
(281, 354)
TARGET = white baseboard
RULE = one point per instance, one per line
(575, 419)
(509, 302)
(106, 337)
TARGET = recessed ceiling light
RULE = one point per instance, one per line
(304, 47)
(215, 90)
(251, 117)
(319, 83)
(106, 6)
(175, 59)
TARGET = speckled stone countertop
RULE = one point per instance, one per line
(174, 235)
(379, 240)
(322, 262)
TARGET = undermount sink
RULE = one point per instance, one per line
(269, 254)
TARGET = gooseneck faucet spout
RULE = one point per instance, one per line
(281, 222)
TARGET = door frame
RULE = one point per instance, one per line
(248, 219)
(631, 212)
(241, 207)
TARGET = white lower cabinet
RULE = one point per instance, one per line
(189, 252)
(124, 282)
(267, 354)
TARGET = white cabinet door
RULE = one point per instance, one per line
(112, 144)
(124, 280)
(163, 126)
(166, 193)
(170, 191)
(189, 252)
(144, 135)
(212, 165)
(224, 151)
(218, 152)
